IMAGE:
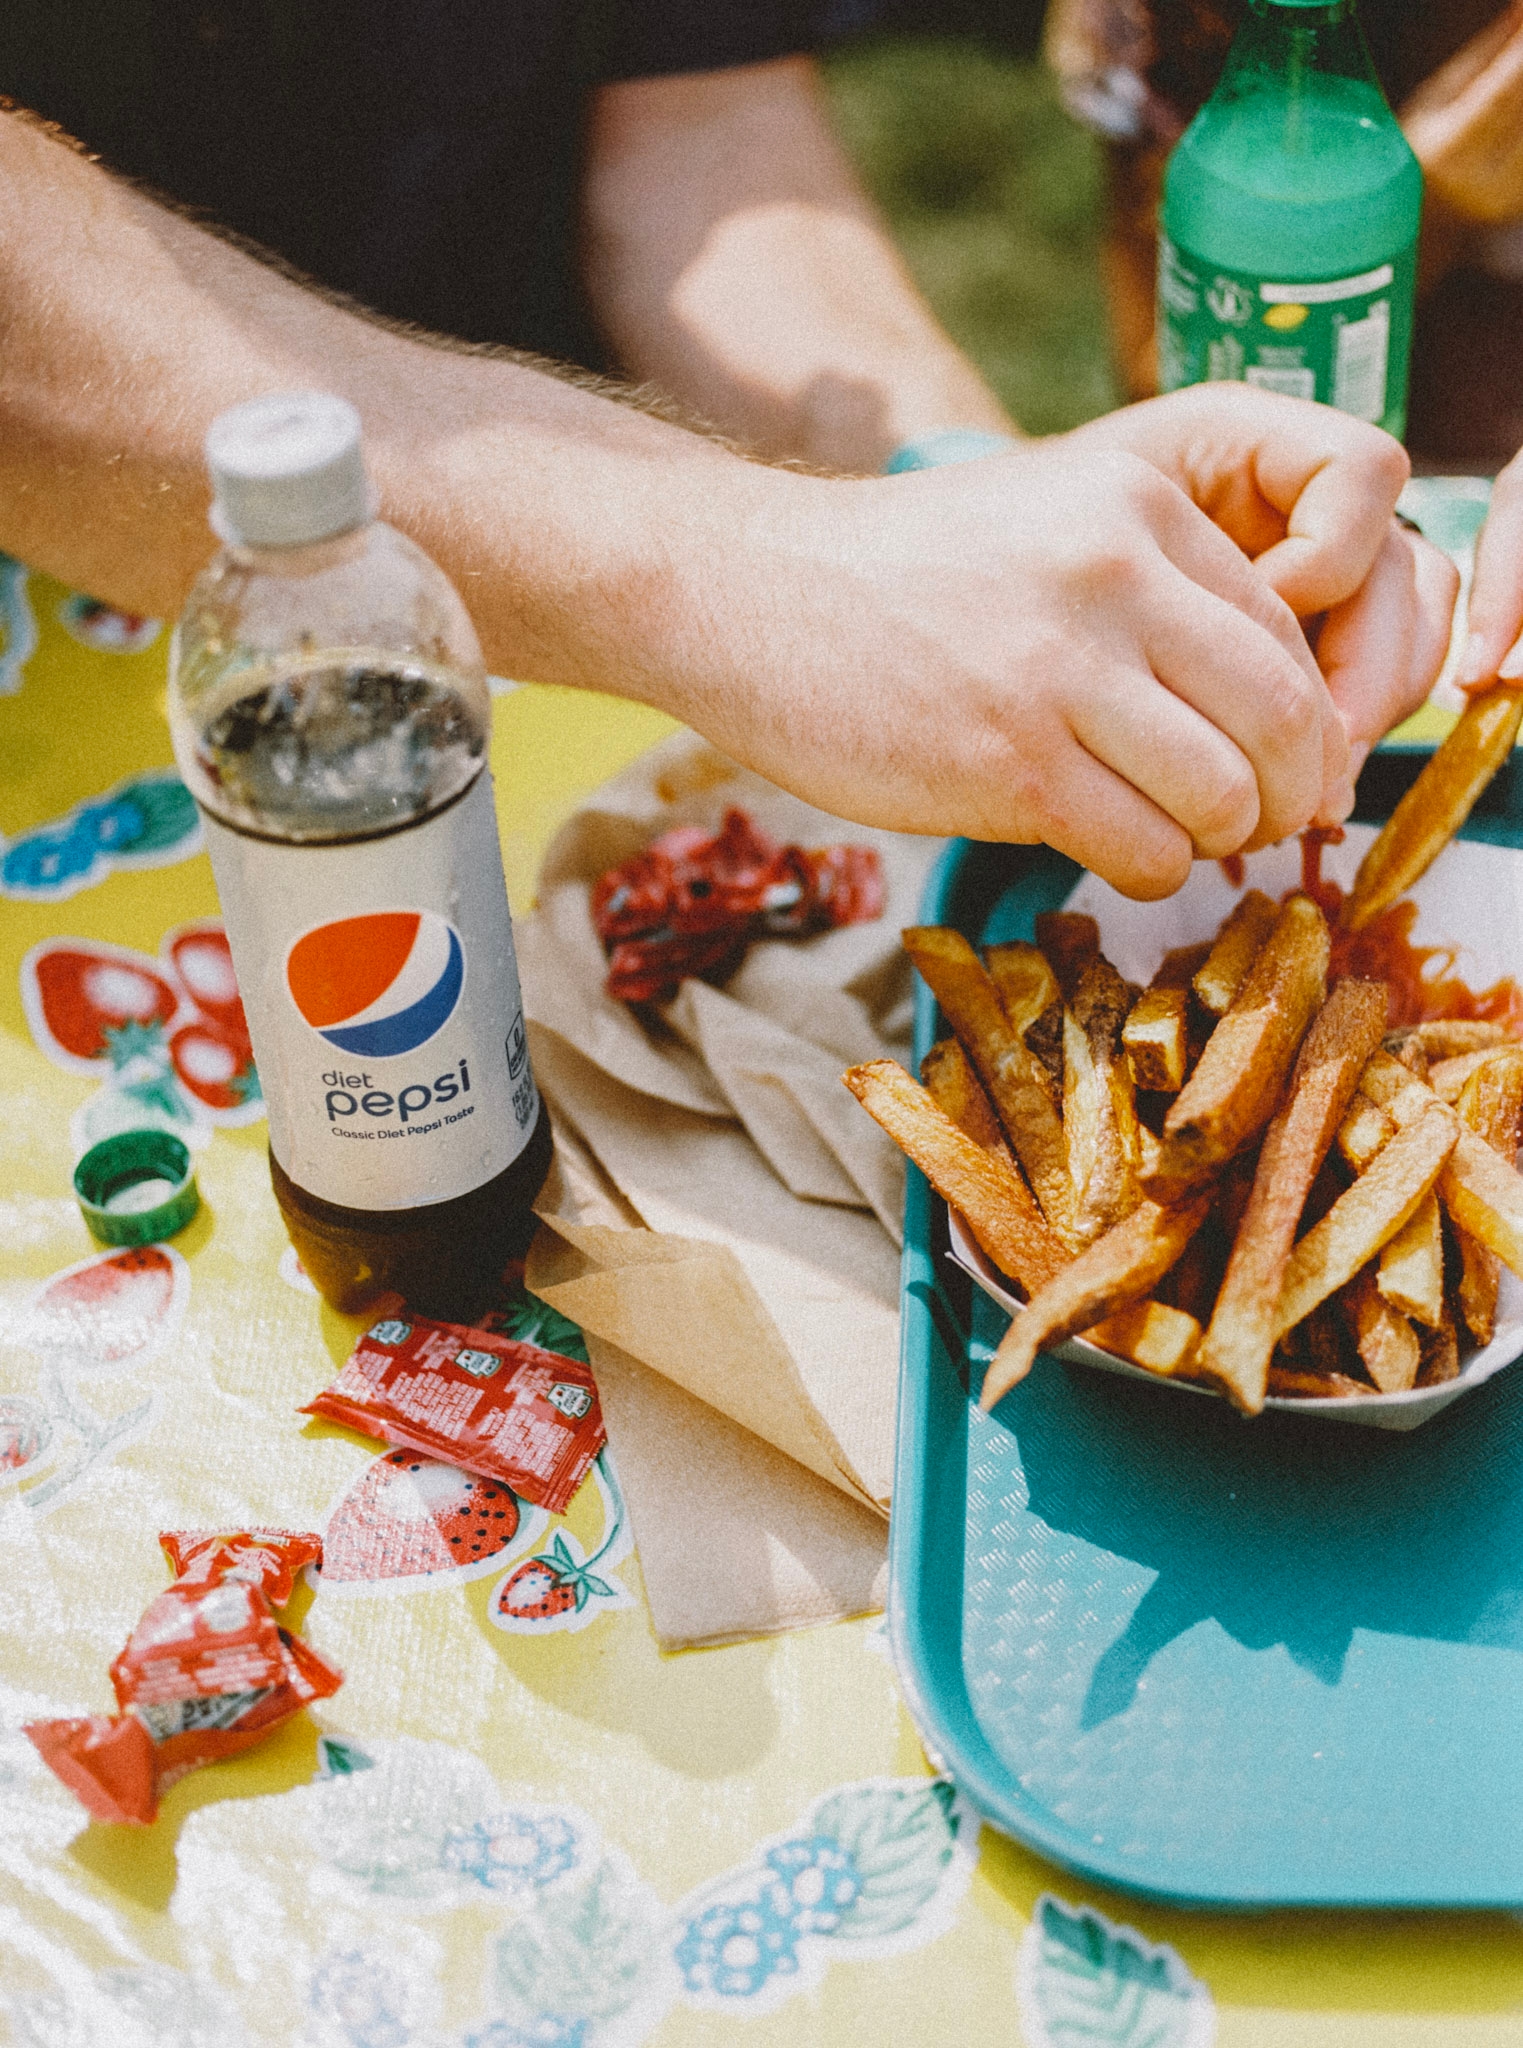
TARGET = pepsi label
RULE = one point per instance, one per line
(381, 990)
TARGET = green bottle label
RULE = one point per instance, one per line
(1343, 341)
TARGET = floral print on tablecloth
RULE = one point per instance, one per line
(322, 1917)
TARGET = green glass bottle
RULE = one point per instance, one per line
(1288, 248)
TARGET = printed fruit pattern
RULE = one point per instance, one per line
(107, 1310)
(107, 1314)
(543, 1587)
(107, 630)
(169, 1032)
(24, 1433)
(535, 1592)
(88, 992)
(409, 1516)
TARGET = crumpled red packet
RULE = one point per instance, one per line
(691, 903)
(492, 1405)
(207, 1672)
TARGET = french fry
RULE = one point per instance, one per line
(1387, 1343)
(1026, 983)
(984, 1189)
(1445, 1038)
(1236, 1084)
(1238, 944)
(1044, 1041)
(1441, 1355)
(1363, 1132)
(1491, 1105)
(1099, 1115)
(1160, 1339)
(1485, 1197)
(1116, 1270)
(1447, 1078)
(1411, 1272)
(1393, 1089)
(1365, 1219)
(1180, 965)
(1070, 940)
(1156, 1039)
(1286, 1383)
(1409, 1051)
(1322, 1337)
(1148, 1149)
(1241, 1336)
(1478, 1286)
(1437, 804)
(1160, 1034)
(1482, 1192)
(953, 1086)
(1017, 1084)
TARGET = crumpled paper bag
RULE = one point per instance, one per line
(723, 1221)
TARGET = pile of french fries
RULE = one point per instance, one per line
(1236, 1175)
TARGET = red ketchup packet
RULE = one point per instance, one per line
(693, 901)
(491, 1405)
(207, 1672)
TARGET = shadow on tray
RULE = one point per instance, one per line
(1281, 1530)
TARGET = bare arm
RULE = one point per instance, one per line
(735, 261)
(1060, 644)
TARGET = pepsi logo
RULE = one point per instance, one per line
(380, 984)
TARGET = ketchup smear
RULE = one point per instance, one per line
(1420, 979)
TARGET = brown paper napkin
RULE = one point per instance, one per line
(723, 1220)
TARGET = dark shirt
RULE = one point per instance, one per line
(420, 155)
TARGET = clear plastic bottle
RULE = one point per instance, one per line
(330, 715)
(1288, 251)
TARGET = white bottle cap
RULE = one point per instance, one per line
(286, 470)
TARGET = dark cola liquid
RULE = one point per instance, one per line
(444, 1258)
(339, 753)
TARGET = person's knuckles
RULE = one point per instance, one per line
(1223, 809)
(1145, 872)
(1283, 723)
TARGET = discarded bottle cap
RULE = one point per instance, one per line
(136, 1187)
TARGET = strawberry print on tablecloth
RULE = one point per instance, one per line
(561, 1587)
(408, 1522)
(103, 1317)
(166, 1035)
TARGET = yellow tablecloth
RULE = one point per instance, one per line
(504, 1830)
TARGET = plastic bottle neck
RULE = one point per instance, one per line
(311, 558)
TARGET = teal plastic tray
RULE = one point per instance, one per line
(1230, 1663)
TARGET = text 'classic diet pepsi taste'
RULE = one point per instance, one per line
(331, 717)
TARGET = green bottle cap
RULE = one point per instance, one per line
(136, 1187)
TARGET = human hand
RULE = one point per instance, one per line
(1465, 123)
(1056, 645)
(1495, 646)
(1307, 493)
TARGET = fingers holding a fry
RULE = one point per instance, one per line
(1360, 1185)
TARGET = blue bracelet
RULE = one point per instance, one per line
(951, 444)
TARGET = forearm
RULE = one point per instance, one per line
(124, 330)
(735, 262)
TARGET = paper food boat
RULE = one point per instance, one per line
(1471, 899)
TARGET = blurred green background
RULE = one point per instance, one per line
(994, 196)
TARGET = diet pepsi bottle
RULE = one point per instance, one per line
(330, 714)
